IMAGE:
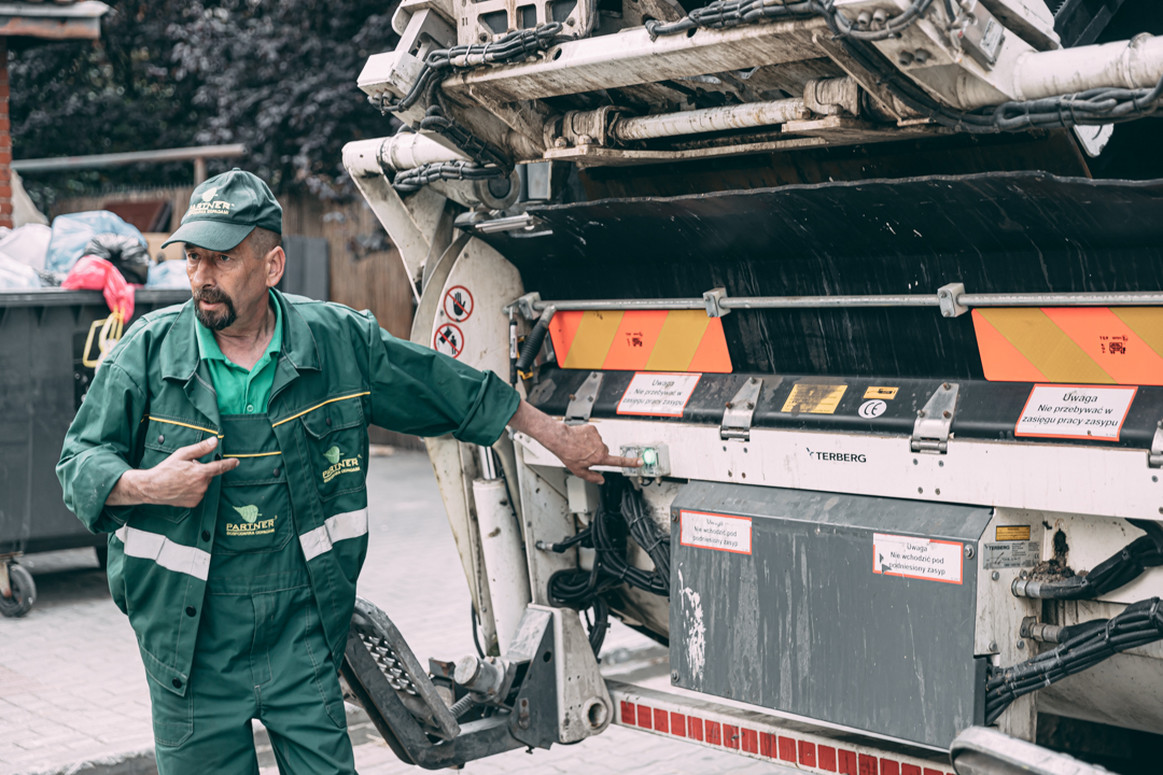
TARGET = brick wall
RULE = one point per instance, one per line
(5, 141)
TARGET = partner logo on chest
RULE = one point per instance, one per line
(252, 523)
(339, 464)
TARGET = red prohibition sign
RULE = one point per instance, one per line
(458, 303)
(449, 339)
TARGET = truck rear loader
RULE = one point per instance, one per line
(874, 290)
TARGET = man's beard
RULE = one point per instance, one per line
(214, 296)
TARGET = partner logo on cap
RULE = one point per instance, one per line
(208, 205)
(225, 209)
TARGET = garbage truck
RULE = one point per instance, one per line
(874, 291)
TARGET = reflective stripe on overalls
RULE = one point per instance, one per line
(261, 651)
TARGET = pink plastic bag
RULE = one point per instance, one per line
(96, 274)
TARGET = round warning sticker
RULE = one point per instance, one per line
(458, 303)
(873, 408)
(448, 340)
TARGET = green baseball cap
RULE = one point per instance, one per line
(226, 208)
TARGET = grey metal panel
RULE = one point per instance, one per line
(802, 624)
(307, 267)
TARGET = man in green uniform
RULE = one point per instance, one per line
(224, 445)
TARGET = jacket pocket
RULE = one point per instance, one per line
(337, 443)
(173, 715)
(162, 439)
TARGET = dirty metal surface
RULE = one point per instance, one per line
(802, 623)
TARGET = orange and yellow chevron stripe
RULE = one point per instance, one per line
(1096, 345)
(640, 340)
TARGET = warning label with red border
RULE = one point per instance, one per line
(658, 394)
(722, 532)
(917, 558)
(1075, 412)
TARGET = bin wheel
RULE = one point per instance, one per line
(102, 556)
(23, 592)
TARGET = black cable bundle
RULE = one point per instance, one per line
(1082, 646)
(582, 589)
(418, 177)
(486, 162)
(1095, 106)
(1104, 105)
(515, 46)
(735, 13)
(1119, 569)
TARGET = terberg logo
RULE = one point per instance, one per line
(251, 524)
(837, 457)
(339, 464)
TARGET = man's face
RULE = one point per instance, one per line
(226, 285)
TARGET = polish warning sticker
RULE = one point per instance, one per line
(1075, 412)
(917, 558)
(715, 531)
(659, 395)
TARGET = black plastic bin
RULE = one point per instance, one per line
(43, 378)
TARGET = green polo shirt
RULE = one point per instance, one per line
(241, 391)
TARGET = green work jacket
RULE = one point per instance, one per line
(338, 371)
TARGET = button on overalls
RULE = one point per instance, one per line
(261, 651)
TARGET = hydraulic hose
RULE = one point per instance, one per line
(533, 342)
(582, 589)
(1116, 571)
(1081, 646)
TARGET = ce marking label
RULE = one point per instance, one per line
(872, 409)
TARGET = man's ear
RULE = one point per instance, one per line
(276, 264)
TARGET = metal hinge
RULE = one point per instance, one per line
(581, 403)
(1155, 456)
(740, 409)
(931, 430)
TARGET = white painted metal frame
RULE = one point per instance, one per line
(1052, 477)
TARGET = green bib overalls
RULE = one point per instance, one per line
(261, 651)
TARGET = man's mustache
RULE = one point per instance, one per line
(211, 296)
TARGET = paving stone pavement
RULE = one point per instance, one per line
(73, 697)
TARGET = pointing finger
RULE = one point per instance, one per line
(195, 451)
(219, 467)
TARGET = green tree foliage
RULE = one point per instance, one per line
(276, 75)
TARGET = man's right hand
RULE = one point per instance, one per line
(179, 480)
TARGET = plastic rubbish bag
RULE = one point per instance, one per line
(72, 232)
(96, 274)
(168, 274)
(27, 244)
(16, 275)
(124, 252)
